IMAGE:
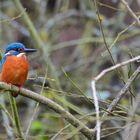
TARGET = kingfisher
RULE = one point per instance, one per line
(14, 65)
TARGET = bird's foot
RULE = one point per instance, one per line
(15, 94)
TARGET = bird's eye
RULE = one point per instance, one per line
(19, 49)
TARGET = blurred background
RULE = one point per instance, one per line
(73, 52)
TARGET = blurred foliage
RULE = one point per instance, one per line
(71, 32)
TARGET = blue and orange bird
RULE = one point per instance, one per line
(14, 65)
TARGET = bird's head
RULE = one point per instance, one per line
(17, 48)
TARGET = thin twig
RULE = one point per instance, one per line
(98, 123)
(115, 67)
(122, 92)
(131, 12)
(35, 109)
(76, 86)
(102, 31)
(16, 116)
(59, 132)
(118, 36)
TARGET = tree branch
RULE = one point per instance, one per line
(122, 92)
(115, 67)
(52, 105)
(96, 104)
(119, 95)
(131, 12)
(16, 116)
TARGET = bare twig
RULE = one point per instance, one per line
(52, 105)
(118, 36)
(122, 92)
(35, 109)
(131, 11)
(59, 132)
(115, 67)
(98, 123)
(102, 31)
(16, 117)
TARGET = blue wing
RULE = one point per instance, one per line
(4, 58)
(2, 62)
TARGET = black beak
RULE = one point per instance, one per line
(28, 50)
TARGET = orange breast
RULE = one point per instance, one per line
(15, 70)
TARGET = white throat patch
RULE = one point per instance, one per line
(7, 53)
(20, 55)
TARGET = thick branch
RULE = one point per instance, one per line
(54, 106)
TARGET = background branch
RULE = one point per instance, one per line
(122, 92)
(115, 67)
(131, 12)
(16, 116)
